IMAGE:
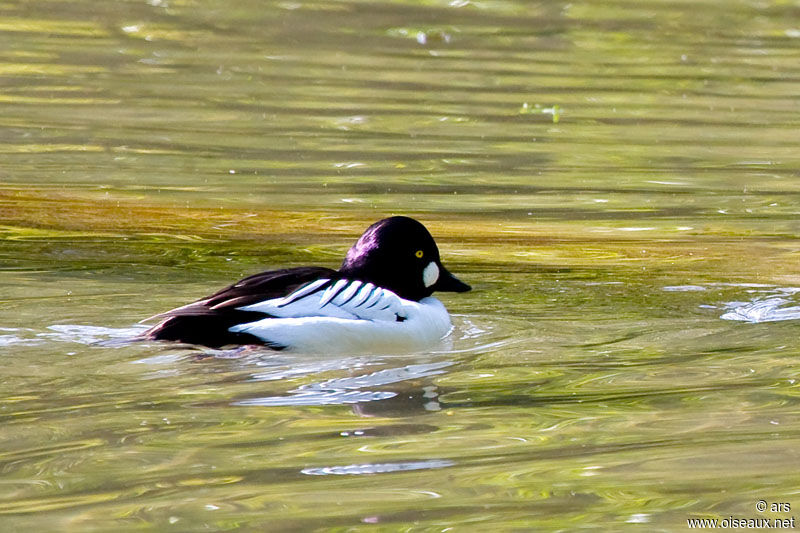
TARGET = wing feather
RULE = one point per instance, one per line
(208, 321)
(304, 291)
(363, 294)
(342, 299)
(331, 292)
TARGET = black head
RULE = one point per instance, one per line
(399, 254)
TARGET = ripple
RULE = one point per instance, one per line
(52, 450)
(306, 368)
(684, 288)
(319, 398)
(16, 337)
(775, 306)
(383, 377)
(347, 390)
(51, 503)
(376, 468)
(91, 334)
(468, 329)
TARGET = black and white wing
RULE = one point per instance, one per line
(208, 321)
(342, 298)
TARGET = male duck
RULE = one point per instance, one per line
(380, 299)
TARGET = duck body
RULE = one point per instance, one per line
(379, 300)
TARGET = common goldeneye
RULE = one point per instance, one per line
(380, 299)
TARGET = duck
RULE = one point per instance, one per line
(379, 300)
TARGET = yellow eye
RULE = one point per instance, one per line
(419, 254)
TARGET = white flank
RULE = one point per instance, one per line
(361, 317)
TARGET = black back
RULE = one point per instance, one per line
(207, 321)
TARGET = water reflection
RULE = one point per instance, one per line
(333, 397)
(411, 402)
(381, 468)
(348, 390)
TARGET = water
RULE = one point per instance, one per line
(618, 182)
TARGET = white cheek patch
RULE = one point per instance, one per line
(431, 274)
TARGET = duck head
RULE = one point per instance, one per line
(399, 254)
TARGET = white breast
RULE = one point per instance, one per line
(349, 316)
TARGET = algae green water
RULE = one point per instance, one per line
(619, 182)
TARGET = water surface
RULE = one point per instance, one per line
(618, 182)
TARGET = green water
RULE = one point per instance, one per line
(617, 180)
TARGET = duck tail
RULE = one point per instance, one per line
(208, 330)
